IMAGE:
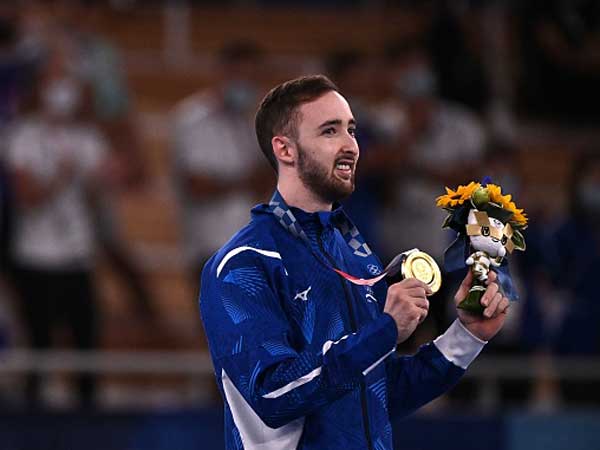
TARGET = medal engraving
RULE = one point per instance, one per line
(423, 267)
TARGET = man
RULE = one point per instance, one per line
(214, 164)
(303, 357)
(55, 161)
(434, 143)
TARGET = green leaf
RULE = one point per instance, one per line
(494, 210)
(447, 221)
(518, 240)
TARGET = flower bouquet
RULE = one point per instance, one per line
(489, 225)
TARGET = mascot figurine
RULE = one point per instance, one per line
(488, 226)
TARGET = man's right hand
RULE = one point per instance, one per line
(407, 303)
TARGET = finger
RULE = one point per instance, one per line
(422, 303)
(501, 308)
(491, 309)
(422, 315)
(413, 282)
(464, 286)
(489, 294)
(417, 292)
(492, 276)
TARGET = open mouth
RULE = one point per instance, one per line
(344, 168)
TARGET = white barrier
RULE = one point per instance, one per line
(192, 363)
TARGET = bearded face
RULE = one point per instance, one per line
(332, 179)
(326, 150)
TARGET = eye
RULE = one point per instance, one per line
(352, 131)
(485, 231)
(504, 240)
(329, 131)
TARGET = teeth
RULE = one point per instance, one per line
(343, 166)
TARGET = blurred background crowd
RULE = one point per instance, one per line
(128, 156)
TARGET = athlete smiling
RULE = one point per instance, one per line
(304, 356)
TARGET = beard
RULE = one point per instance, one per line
(319, 179)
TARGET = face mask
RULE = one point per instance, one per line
(240, 96)
(61, 98)
(416, 82)
(391, 121)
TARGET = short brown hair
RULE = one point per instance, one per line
(278, 111)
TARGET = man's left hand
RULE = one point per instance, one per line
(496, 306)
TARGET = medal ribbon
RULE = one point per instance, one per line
(282, 211)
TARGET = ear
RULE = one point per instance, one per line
(284, 150)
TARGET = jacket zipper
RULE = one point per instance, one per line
(354, 327)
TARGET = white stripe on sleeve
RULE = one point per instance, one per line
(379, 361)
(241, 249)
(294, 384)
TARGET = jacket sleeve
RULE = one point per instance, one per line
(254, 346)
(416, 380)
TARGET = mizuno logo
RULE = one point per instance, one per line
(369, 295)
(370, 298)
(303, 295)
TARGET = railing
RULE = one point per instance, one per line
(106, 362)
(193, 363)
(488, 371)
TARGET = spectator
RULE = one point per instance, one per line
(54, 158)
(576, 244)
(438, 143)
(560, 311)
(430, 144)
(97, 63)
(216, 171)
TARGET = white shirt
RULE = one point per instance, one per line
(57, 233)
(455, 137)
(210, 142)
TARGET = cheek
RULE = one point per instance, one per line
(317, 150)
(483, 244)
(476, 242)
(325, 156)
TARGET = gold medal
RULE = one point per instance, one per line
(420, 265)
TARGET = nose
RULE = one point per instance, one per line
(350, 145)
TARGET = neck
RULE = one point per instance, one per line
(299, 196)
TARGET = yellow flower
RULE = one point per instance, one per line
(504, 201)
(520, 217)
(464, 193)
(458, 197)
(495, 192)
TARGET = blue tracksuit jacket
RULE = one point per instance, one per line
(303, 358)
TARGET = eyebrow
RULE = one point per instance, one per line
(331, 122)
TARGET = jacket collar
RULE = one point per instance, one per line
(295, 221)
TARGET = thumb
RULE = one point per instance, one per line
(463, 290)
